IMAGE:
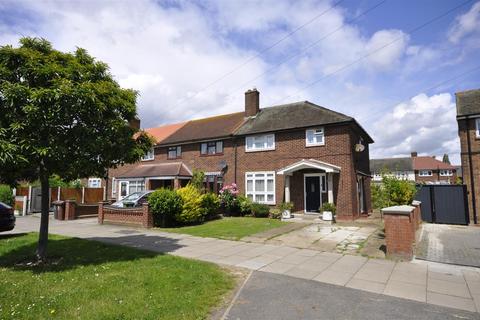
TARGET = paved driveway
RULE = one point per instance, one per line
(444, 285)
(450, 244)
(271, 296)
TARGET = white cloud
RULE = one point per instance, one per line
(426, 124)
(465, 24)
(391, 45)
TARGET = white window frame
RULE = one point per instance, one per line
(114, 187)
(425, 173)
(150, 155)
(94, 180)
(178, 152)
(256, 137)
(446, 173)
(316, 136)
(477, 127)
(252, 176)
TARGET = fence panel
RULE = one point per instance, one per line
(93, 195)
(71, 194)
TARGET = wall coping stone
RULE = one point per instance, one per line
(416, 203)
(398, 210)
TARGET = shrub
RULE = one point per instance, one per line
(286, 206)
(197, 180)
(328, 207)
(244, 205)
(211, 204)
(260, 210)
(6, 195)
(378, 196)
(392, 192)
(192, 208)
(228, 197)
(165, 205)
(276, 213)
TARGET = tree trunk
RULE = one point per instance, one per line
(43, 235)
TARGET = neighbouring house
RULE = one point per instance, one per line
(468, 119)
(421, 169)
(298, 152)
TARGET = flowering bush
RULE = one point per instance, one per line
(228, 196)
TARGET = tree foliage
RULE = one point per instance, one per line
(62, 114)
(392, 192)
(446, 159)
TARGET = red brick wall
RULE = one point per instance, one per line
(127, 216)
(465, 125)
(400, 235)
(436, 177)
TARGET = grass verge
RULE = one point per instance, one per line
(231, 228)
(91, 280)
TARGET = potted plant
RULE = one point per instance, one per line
(286, 209)
(328, 211)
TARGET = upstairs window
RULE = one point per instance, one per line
(260, 143)
(315, 137)
(446, 173)
(425, 173)
(150, 155)
(94, 182)
(174, 152)
(211, 148)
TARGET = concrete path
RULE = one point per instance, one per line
(445, 285)
(259, 299)
(450, 244)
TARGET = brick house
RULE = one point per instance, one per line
(421, 169)
(468, 119)
(298, 152)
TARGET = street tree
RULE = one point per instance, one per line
(62, 114)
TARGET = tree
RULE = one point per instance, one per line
(62, 114)
(446, 159)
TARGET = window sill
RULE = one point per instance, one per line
(146, 160)
(211, 155)
(174, 158)
(260, 150)
(315, 145)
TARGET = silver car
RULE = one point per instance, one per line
(136, 199)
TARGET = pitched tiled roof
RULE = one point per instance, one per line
(468, 102)
(158, 170)
(430, 163)
(391, 164)
(163, 132)
(207, 128)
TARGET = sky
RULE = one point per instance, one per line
(393, 65)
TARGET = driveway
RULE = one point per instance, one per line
(271, 296)
(443, 243)
(445, 285)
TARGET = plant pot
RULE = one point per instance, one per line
(327, 215)
(286, 214)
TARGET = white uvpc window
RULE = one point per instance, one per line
(260, 186)
(94, 182)
(136, 186)
(260, 142)
(114, 187)
(477, 127)
(425, 173)
(315, 137)
(446, 173)
(150, 155)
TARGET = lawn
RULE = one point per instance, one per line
(231, 228)
(90, 280)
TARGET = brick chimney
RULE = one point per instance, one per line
(414, 154)
(252, 102)
(135, 123)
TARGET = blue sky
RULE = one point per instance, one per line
(191, 59)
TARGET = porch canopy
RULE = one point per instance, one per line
(328, 168)
(158, 171)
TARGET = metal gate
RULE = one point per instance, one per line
(444, 204)
(36, 200)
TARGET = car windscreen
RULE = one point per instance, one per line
(132, 197)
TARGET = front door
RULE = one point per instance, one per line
(312, 194)
(123, 189)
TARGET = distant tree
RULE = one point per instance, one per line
(62, 114)
(446, 159)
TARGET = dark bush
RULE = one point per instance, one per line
(6, 195)
(244, 205)
(211, 203)
(260, 210)
(165, 204)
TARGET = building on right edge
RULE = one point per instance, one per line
(468, 118)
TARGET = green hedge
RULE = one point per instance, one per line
(6, 195)
(165, 204)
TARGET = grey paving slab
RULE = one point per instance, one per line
(277, 267)
(375, 272)
(336, 277)
(406, 290)
(302, 273)
(452, 302)
(448, 287)
(366, 285)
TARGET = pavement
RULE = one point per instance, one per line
(450, 244)
(425, 282)
(303, 299)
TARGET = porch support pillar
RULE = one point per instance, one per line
(176, 183)
(330, 187)
(287, 188)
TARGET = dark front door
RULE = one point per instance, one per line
(312, 194)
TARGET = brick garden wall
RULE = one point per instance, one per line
(141, 217)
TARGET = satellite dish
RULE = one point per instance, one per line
(359, 147)
(222, 165)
